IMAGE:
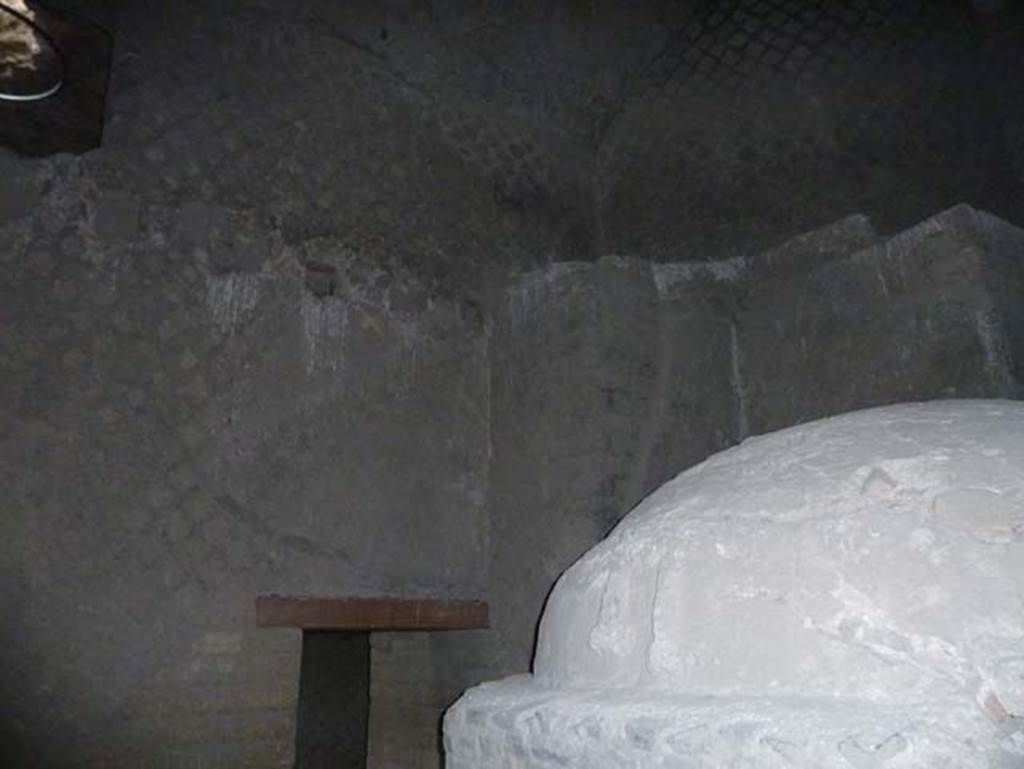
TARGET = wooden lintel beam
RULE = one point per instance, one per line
(366, 614)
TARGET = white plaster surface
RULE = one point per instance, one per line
(846, 593)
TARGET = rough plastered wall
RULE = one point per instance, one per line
(397, 124)
(943, 320)
(238, 357)
(179, 437)
(243, 346)
(242, 352)
(606, 380)
(569, 369)
(609, 379)
(759, 119)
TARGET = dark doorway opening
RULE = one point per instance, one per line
(334, 700)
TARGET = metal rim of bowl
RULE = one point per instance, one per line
(57, 57)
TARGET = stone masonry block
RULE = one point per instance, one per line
(930, 313)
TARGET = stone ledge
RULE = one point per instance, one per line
(517, 723)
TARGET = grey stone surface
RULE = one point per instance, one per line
(572, 372)
(758, 119)
(416, 676)
(930, 313)
(181, 438)
(694, 412)
(600, 387)
(177, 439)
(609, 378)
(177, 444)
(265, 338)
(606, 379)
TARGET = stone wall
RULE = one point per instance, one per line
(325, 313)
(570, 373)
(919, 316)
(288, 424)
(243, 352)
(609, 379)
(193, 421)
(758, 119)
